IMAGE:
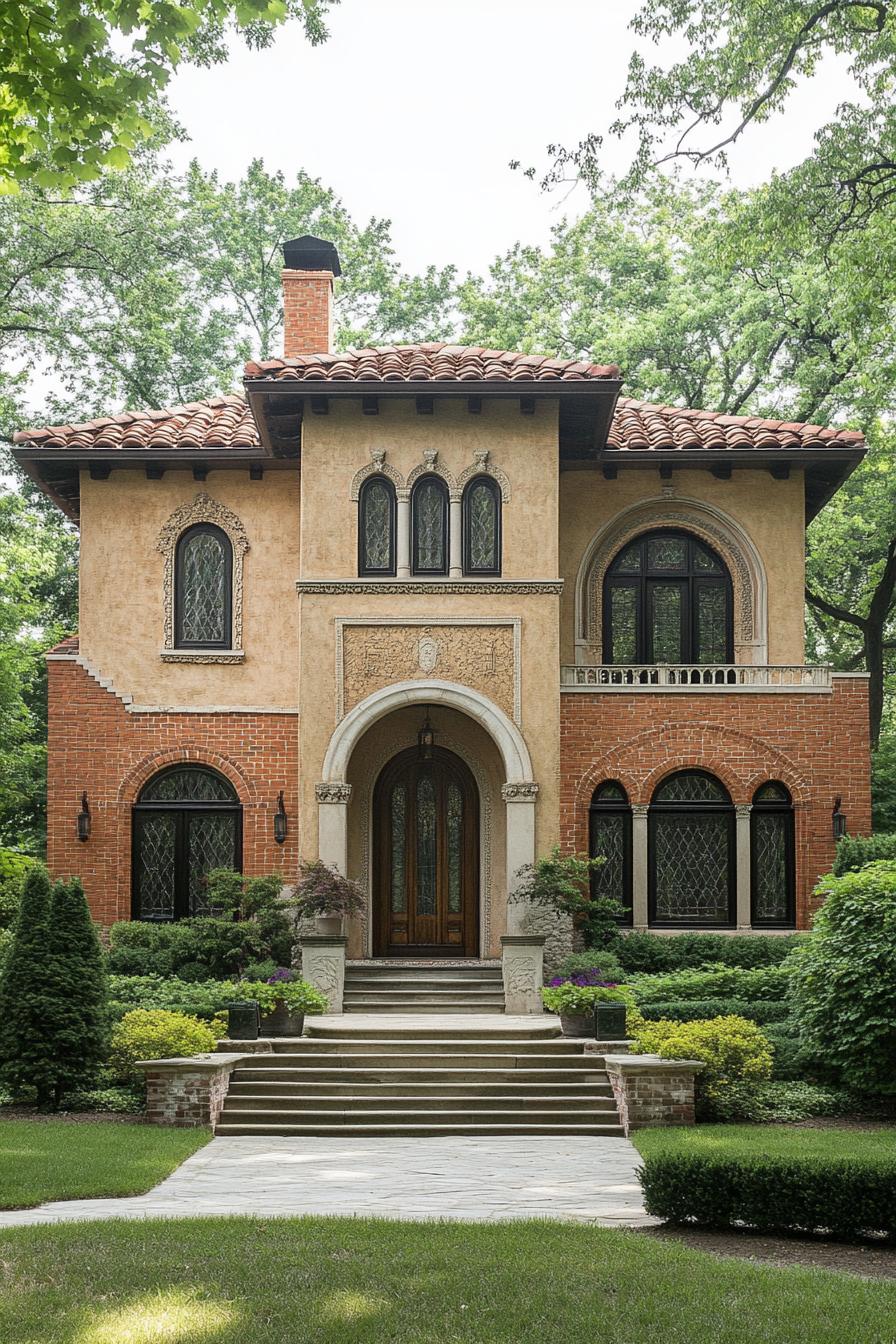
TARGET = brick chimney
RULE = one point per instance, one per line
(311, 265)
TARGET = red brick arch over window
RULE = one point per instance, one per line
(143, 771)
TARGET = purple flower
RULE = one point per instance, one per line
(281, 974)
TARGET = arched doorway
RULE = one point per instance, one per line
(426, 857)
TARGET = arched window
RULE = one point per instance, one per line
(691, 852)
(667, 599)
(376, 526)
(187, 821)
(203, 589)
(429, 526)
(772, 857)
(482, 526)
(610, 837)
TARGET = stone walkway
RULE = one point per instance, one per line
(575, 1179)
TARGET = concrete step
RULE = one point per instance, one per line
(317, 1046)
(566, 1106)
(423, 976)
(410, 972)
(347, 1115)
(459, 1058)
(492, 1006)
(236, 1128)
(386, 1074)
(374, 994)
(435, 1092)
(539, 1029)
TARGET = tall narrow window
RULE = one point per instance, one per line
(610, 838)
(429, 525)
(376, 527)
(203, 589)
(772, 857)
(691, 853)
(482, 526)
(187, 821)
(667, 599)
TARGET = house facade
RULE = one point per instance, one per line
(428, 611)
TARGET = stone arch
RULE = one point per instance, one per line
(484, 467)
(144, 769)
(710, 524)
(203, 509)
(377, 466)
(430, 466)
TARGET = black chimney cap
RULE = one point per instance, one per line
(311, 254)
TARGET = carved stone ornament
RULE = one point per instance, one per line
(519, 793)
(377, 466)
(482, 466)
(333, 793)
(427, 653)
(438, 587)
(203, 509)
(430, 466)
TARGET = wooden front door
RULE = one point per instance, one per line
(426, 857)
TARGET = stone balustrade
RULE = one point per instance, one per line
(695, 677)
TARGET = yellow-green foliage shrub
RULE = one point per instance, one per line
(149, 1033)
(734, 1051)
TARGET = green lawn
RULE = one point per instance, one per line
(865, 1145)
(61, 1159)
(331, 1281)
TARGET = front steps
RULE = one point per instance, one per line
(410, 1079)
(383, 988)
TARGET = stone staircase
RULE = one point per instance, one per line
(379, 987)
(410, 1078)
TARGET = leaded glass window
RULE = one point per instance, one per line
(610, 838)
(187, 821)
(772, 857)
(691, 852)
(454, 842)
(376, 526)
(426, 845)
(667, 599)
(399, 825)
(482, 526)
(203, 588)
(429, 520)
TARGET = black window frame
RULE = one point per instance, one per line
(645, 584)
(614, 807)
(430, 478)
(659, 809)
(374, 571)
(181, 809)
(776, 807)
(495, 490)
(182, 542)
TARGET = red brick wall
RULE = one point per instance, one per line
(818, 745)
(307, 312)
(95, 744)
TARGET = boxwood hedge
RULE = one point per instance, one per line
(692, 1010)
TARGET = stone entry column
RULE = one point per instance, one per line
(323, 966)
(522, 965)
(520, 811)
(744, 913)
(640, 917)
(332, 823)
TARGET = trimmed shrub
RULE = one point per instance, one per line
(77, 1024)
(693, 1010)
(855, 851)
(734, 1051)
(26, 998)
(111, 1100)
(844, 979)
(793, 1060)
(764, 984)
(194, 998)
(772, 1194)
(783, 1102)
(654, 952)
(155, 1034)
(202, 948)
(604, 963)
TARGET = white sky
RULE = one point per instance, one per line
(413, 110)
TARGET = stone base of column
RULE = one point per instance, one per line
(323, 966)
(522, 964)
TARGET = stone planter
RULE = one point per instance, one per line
(328, 925)
(281, 1022)
(577, 1024)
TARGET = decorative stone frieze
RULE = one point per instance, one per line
(525, 792)
(333, 793)
(437, 587)
(203, 509)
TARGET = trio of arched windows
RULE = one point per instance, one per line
(430, 533)
(691, 852)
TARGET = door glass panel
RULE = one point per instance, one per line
(399, 804)
(188, 786)
(426, 846)
(770, 866)
(608, 841)
(704, 563)
(665, 620)
(690, 788)
(430, 526)
(455, 848)
(712, 632)
(377, 526)
(629, 561)
(203, 600)
(692, 868)
(666, 553)
(211, 844)
(624, 624)
(483, 525)
(155, 865)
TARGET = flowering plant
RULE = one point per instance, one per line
(298, 995)
(572, 998)
(584, 978)
(282, 975)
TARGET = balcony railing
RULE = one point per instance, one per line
(695, 677)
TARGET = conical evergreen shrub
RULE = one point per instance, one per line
(77, 1018)
(27, 1002)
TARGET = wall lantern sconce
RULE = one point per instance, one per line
(84, 818)
(838, 820)
(425, 739)
(280, 823)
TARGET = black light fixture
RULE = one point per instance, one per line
(84, 818)
(280, 823)
(425, 739)
(838, 820)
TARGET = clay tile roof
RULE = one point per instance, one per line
(639, 425)
(224, 422)
(430, 361)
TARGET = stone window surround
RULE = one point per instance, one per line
(202, 509)
(430, 466)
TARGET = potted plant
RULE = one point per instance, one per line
(579, 1007)
(284, 1001)
(561, 882)
(324, 894)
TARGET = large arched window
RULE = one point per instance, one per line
(429, 526)
(667, 599)
(691, 852)
(376, 526)
(482, 526)
(610, 838)
(187, 821)
(772, 857)
(203, 589)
